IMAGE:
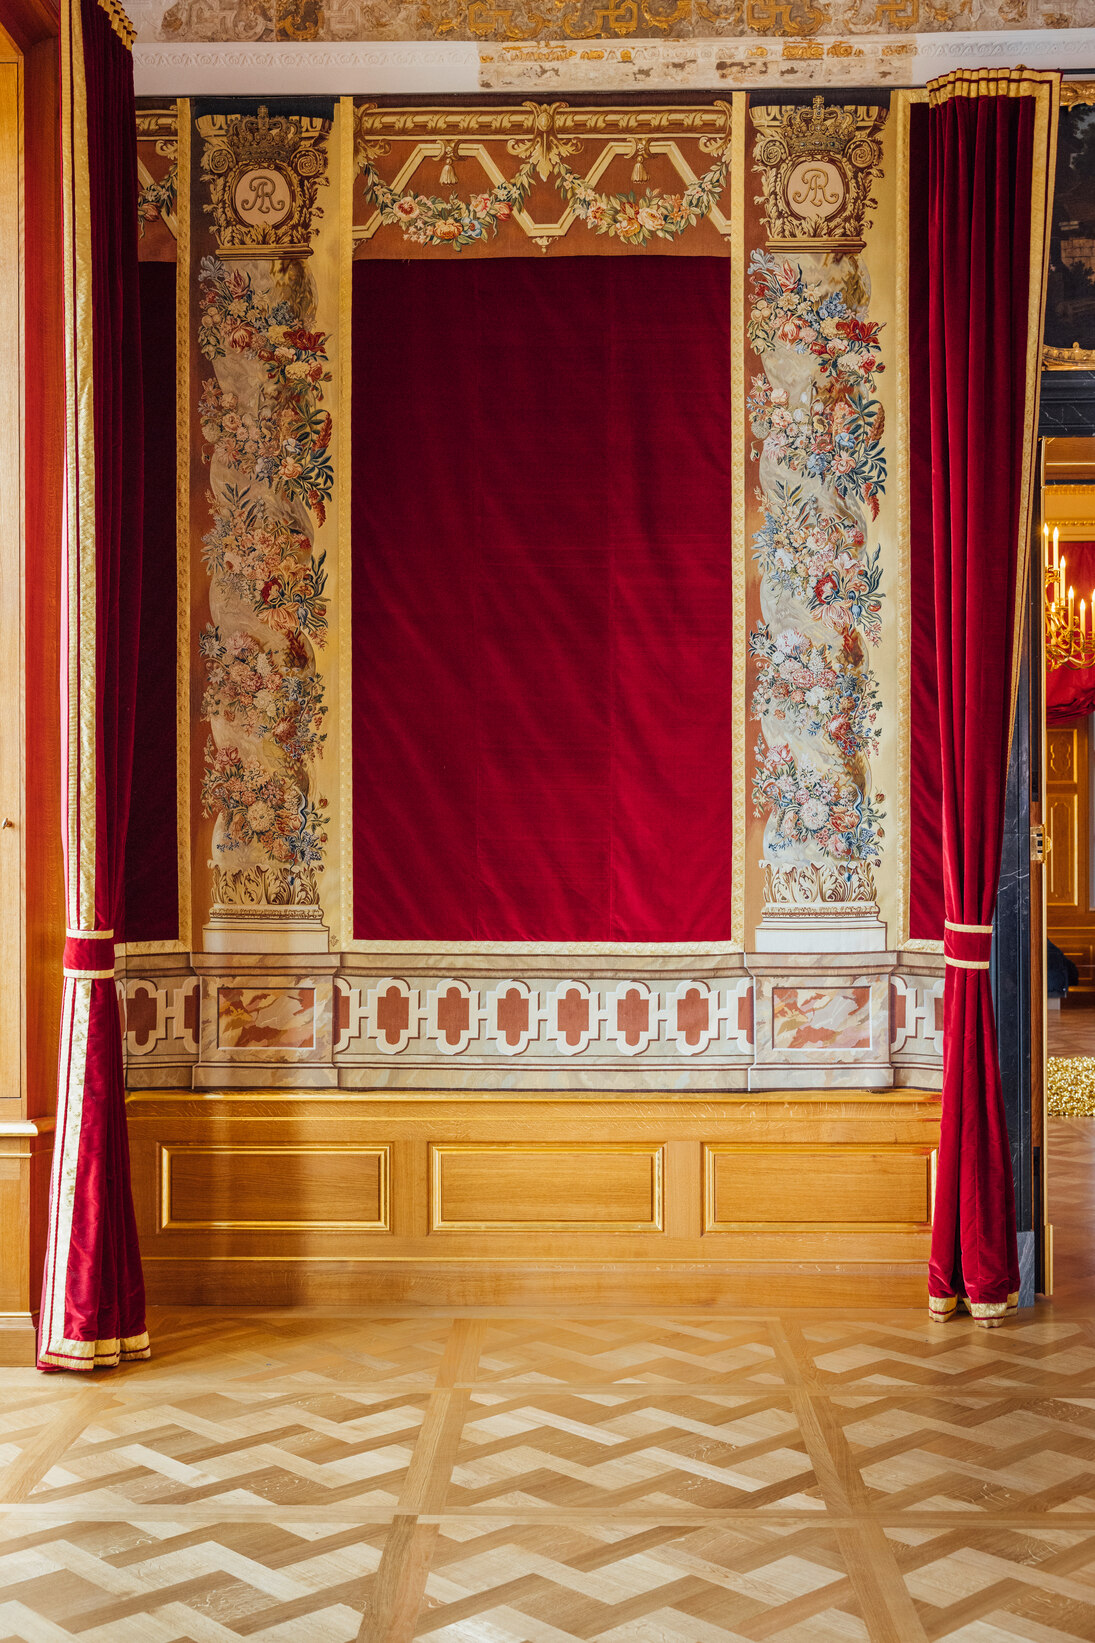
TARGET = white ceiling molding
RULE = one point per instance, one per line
(218, 69)
(185, 69)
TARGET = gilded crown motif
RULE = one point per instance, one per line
(817, 164)
(264, 173)
(819, 130)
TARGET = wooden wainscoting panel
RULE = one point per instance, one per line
(1063, 864)
(502, 1186)
(497, 1198)
(1070, 919)
(239, 1188)
(1062, 748)
(837, 1188)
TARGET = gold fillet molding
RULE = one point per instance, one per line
(182, 520)
(169, 1150)
(440, 1150)
(901, 110)
(739, 104)
(1045, 89)
(714, 1150)
(894, 1103)
(344, 147)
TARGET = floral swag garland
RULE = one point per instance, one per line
(158, 199)
(428, 220)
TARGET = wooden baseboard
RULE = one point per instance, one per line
(18, 1341)
(213, 1282)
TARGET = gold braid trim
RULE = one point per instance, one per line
(988, 82)
(119, 22)
(986, 1314)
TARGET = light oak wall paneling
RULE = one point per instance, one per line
(44, 410)
(843, 1188)
(16, 1324)
(239, 1188)
(570, 1180)
(1063, 821)
(1070, 922)
(25, 1152)
(509, 1186)
(31, 452)
(12, 1093)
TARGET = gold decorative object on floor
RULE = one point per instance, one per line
(1070, 1082)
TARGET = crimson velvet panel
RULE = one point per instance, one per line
(92, 1311)
(925, 754)
(542, 612)
(151, 851)
(988, 137)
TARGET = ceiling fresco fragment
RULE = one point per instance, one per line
(484, 21)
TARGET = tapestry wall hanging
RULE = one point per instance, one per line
(536, 614)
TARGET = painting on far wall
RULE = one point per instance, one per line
(1070, 294)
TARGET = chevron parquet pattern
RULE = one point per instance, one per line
(652, 1452)
(606, 1351)
(798, 1477)
(524, 1584)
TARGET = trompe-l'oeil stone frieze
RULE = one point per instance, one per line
(318, 1024)
(584, 20)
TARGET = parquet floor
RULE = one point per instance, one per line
(794, 1476)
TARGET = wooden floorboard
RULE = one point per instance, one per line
(655, 1476)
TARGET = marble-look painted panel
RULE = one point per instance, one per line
(821, 1018)
(271, 1017)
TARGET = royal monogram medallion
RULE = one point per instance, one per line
(817, 165)
(264, 173)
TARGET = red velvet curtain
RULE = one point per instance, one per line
(1070, 691)
(542, 600)
(989, 137)
(93, 1296)
(925, 761)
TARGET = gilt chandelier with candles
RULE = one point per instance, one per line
(1069, 633)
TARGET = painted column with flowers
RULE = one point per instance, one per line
(817, 426)
(266, 429)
